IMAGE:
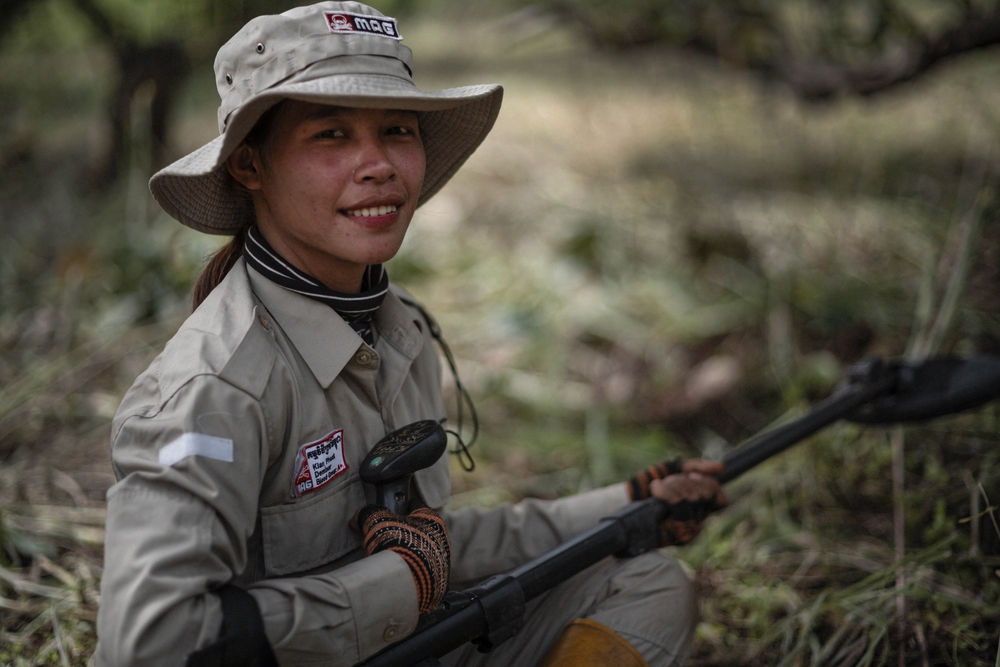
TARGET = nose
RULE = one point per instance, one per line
(373, 163)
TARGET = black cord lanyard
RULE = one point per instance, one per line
(461, 449)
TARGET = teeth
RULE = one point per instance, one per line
(371, 212)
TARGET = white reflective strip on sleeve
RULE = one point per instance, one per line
(197, 444)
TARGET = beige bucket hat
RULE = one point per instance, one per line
(338, 53)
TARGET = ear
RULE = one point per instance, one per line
(244, 165)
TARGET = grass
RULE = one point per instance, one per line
(50, 607)
(799, 582)
(649, 257)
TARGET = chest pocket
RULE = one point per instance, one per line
(304, 535)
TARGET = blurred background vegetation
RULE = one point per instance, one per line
(690, 217)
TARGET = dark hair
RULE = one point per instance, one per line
(225, 258)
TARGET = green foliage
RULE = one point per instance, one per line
(648, 258)
(822, 587)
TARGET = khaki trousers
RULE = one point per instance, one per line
(648, 600)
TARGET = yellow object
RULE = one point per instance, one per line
(586, 643)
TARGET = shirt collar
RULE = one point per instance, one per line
(325, 341)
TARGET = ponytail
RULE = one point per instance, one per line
(220, 264)
(225, 258)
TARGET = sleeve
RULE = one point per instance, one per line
(178, 524)
(485, 542)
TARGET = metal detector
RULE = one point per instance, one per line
(874, 392)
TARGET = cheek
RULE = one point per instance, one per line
(412, 165)
(308, 184)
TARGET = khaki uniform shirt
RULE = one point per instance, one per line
(206, 447)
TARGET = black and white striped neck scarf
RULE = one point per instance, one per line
(355, 309)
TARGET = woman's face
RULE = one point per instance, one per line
(334, 188)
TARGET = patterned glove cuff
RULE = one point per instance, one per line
(685, 521)
(420, 538)
(638, 486)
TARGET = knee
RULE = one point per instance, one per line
(661, 579)
(654, 606)
(655, 571)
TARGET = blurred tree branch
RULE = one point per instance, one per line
(818, 49)
(819, 80)
(161, 55)
(163, 62)
(11, 10)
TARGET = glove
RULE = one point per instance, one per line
(686, 514)
(685, 521)
(420, 538)
(638, 486)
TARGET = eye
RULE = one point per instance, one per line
(402, 130)
(331, 133)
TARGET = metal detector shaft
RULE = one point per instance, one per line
(840, 404)
(492, 612)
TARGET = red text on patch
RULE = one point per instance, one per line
(344, 22)
(316, 463)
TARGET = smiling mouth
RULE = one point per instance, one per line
(371, 212)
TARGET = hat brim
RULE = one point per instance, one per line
(197, 190)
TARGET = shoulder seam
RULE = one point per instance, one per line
(164, 401)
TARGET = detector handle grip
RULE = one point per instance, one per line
(390, 464)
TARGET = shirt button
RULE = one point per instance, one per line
(364, 357)
(390, 633)
(264, 321)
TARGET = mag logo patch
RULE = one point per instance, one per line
(345, 23)
(316, 463)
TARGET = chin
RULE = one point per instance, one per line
(383, 256)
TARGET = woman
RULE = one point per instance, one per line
(237, 451)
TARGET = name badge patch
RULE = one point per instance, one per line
(316, 463)
(346, 23)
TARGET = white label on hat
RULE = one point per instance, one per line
(316, 463)
(346, 23)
